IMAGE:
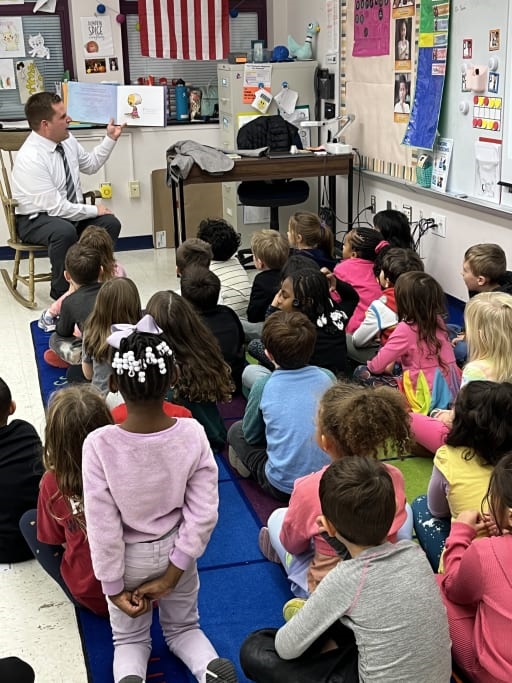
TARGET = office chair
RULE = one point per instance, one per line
(278, 135)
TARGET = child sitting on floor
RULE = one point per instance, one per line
(394, 228)
(224, 241)
(270, 251)
(97, 238)
(59, 539)
(481, 433)
(117, 300)
(275, 442)
(378, 599)
(476, 585)
(21, 468)
(193, 252)
(308, 237)
(201, 287)
(381, 318)
(430, 377)
(204, 377)
(83, 271)
(344, 415)
(360, 249)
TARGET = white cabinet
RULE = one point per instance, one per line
(233, 112)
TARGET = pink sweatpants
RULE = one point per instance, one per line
(428, 432)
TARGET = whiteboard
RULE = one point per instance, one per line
(473, 20)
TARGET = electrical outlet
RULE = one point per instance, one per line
(407, 209)
(388, 205)
(373, 202)
(439, 228)
(134, 189)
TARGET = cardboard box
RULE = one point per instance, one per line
(201, 201)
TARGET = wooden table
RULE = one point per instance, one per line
(260, 168)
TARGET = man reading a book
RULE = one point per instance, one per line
(46, 183)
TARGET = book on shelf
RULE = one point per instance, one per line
(135, 105)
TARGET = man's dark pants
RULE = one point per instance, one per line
(58, 234)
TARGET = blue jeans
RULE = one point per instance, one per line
(431, 531)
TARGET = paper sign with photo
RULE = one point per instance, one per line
(97, 36)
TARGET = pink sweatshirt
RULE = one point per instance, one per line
(358, 272)
(299, 524)
(477, 585)
(138, 487)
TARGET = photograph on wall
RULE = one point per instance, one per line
(95, 66)
(403, 38)
(403, 8)
(494, 39)
(467, 48)
(12, 43)
(371, 29)
(97, 36)
(402, 106)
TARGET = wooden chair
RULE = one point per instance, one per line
(10, 143)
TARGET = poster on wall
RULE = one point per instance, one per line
(441, 164)
(97, 36)
(371, 28)
(12, 43)
(430, 74)
(402, 106)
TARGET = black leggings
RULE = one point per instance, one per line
(261, 663)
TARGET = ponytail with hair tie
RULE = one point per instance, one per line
(381, 245)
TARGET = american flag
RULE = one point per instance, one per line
(184, 29)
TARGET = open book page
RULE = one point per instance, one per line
(141, 105)
(91, 102)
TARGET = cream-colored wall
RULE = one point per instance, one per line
(466, 224)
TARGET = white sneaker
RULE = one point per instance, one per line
(47, 322)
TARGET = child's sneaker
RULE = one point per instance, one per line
(47, 322)
(291, 607)
(221, 670)
(237, 464)
(266, 546)
(54, 360)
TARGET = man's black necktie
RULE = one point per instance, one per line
(70, 185)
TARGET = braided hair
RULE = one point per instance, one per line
(144, 366)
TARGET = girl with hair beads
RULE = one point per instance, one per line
(62, 546)
(304, 288)
(476, 586)
(204, 377)
(350, 422)
(117, 300)
(430, 376)
(98, 239)
(481, 433)
(360, 249)
(148, 551)
(308, 237)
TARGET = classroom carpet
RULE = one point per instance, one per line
(231, 566)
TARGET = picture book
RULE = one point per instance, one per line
(135, 105)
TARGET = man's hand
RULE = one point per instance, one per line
(102, 210)
(131, 604)
(155, 589)
(113, 131)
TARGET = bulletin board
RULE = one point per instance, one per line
(371, 85)
(478, 127)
